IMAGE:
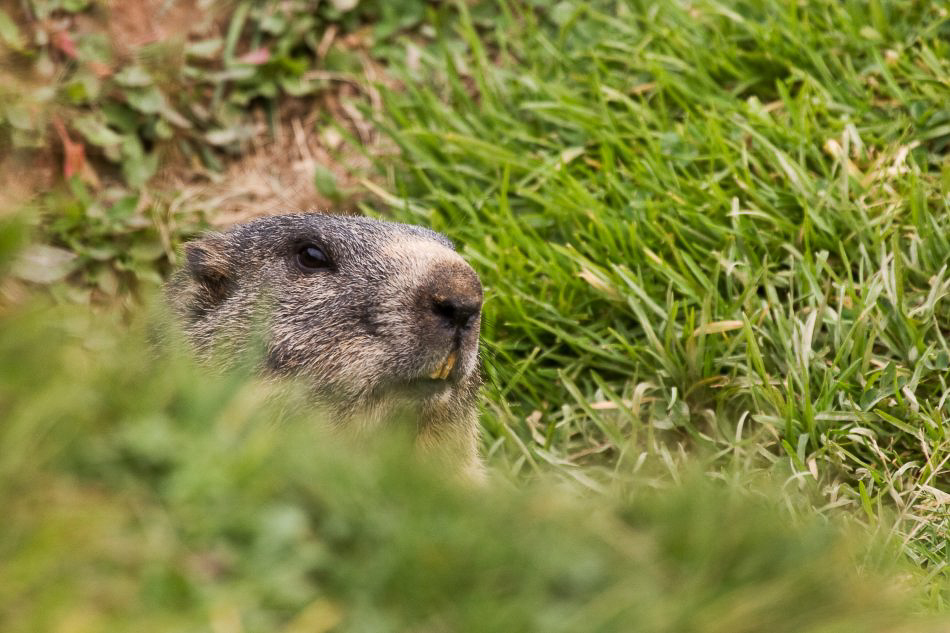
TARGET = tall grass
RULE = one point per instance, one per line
(704, 227)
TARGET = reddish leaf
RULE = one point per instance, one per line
(65, 42)
(74, 154)
(256, 57)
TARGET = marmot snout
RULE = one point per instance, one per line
(449, 303)
(380, 319)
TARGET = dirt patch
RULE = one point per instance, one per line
(132, 24)
(276, 172)
(23, 175)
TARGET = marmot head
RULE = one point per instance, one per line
(379, 319)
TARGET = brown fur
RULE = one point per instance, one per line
(365, 334)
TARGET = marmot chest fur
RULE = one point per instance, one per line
(380, 319)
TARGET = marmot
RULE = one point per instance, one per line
(381, 320)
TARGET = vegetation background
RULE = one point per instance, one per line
(714, 241)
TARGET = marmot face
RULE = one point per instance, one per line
(378, 318)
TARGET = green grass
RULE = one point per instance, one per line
(142, 494)
(715, 240)
(704, 229)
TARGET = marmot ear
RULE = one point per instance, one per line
(208, 262)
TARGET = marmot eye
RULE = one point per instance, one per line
(311, 258)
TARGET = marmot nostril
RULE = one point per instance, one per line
(456, 312)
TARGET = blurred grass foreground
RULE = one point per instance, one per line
(714, 243)
(141, 494)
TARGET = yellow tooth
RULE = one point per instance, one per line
(449, 364)
(445, 367)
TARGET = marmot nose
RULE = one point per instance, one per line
(453, 295)
(457, 312)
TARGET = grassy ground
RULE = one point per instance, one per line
(705, 228)
(713, 238)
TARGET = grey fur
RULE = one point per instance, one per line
(364, 335)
